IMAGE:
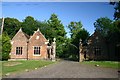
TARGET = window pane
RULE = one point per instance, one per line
(37, 50)
(18, 50)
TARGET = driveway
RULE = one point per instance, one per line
(69, 69)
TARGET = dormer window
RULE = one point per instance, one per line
(37, 37)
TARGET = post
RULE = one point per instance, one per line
(54, 49)
(2, 26)
(80, 51)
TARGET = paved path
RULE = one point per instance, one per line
(69, 69)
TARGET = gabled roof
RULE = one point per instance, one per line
(20, 30)
(27, 36)
(95, 33)
(40, 33)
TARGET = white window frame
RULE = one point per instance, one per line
(36, 54)
(20, 50)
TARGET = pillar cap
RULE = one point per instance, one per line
(54, 39)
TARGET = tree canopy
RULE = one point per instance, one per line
(29, 25)
(57, 31)
(11, 26)
(104, 25)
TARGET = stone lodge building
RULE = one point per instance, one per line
(97, 47)
(31, 48)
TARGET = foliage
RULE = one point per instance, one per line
(77, 32)
(117, 10)
(74, 27)
(116, 26)
(22, 66)
(104, 25)
(58, 31)
(83, 34)
(11, 26)
(6, 46)
(116, 14)
(29, 25)
(107, 26)
(69, 50)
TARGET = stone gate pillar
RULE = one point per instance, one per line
(80, 51)
(54, 49)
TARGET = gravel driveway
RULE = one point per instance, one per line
(69, 69)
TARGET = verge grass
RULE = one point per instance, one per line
(18, 66)
(107, 64)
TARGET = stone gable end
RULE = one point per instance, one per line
(37, 40)
(19, 40)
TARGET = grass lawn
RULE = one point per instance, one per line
(18, 66)
(108, 64)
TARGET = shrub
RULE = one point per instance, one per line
(6, 46)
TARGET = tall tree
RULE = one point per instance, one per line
(58, 31)
(57, 26)
(74, 28)
(77, 31)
